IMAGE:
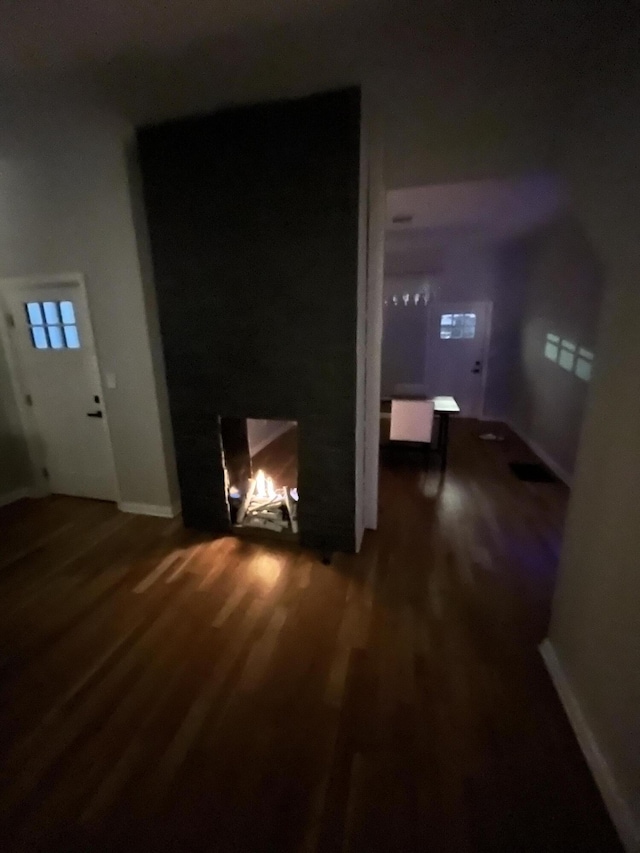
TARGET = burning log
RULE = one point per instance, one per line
(268, 507)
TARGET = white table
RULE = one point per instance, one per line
(415, 424)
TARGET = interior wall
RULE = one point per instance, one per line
(562, 296)
(454, 265)
(595, 624)
(69, 209)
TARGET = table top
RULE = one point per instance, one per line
(445, 404)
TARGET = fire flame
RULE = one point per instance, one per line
(264, 486)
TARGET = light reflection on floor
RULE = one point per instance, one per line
(266, 569)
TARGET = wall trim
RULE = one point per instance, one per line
(16, 495)
(615, 803)
(158, 510)
(558, 470)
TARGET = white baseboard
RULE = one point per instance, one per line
(269, 438)
(16, 495)
(618, 808)
(542, 453)
(158, 510)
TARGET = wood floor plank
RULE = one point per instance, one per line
(167, 691)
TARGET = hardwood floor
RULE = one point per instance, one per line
(160, 691)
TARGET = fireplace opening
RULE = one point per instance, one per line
(261, 471)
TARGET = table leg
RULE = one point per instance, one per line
(443, 439)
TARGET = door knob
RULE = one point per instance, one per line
(97, 414)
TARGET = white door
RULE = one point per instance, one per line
(57, 372)
(457, 346)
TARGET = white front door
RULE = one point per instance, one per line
(457, 346)
(58, 376)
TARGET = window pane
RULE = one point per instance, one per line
(457, 326)
(55, 334)
(446, 321)
(469, 325)
(71, 337)
(34, 314)
(554, 339)
(67, 313)
(39, 337)
(51, 312)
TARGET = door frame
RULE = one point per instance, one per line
(28, 420)
(486, 343)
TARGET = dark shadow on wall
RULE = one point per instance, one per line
(151, 312)
(15, 468)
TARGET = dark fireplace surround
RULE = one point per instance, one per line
(253, 220)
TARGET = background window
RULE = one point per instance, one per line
(52, 325)
(457, 326)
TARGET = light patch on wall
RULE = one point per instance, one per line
(551, 347)
(567, 355)
(584, 364)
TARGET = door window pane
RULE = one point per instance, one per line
(53, 325)
(39, 337)
(71, 337)
(34, 314)
(55, 336)
(469, 329)
(51, 312)
(67, 313)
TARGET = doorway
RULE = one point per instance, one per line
(57, 383)
(456, 356)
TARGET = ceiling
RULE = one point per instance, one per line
(54, 34)
(489, 209)
(155, 57)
